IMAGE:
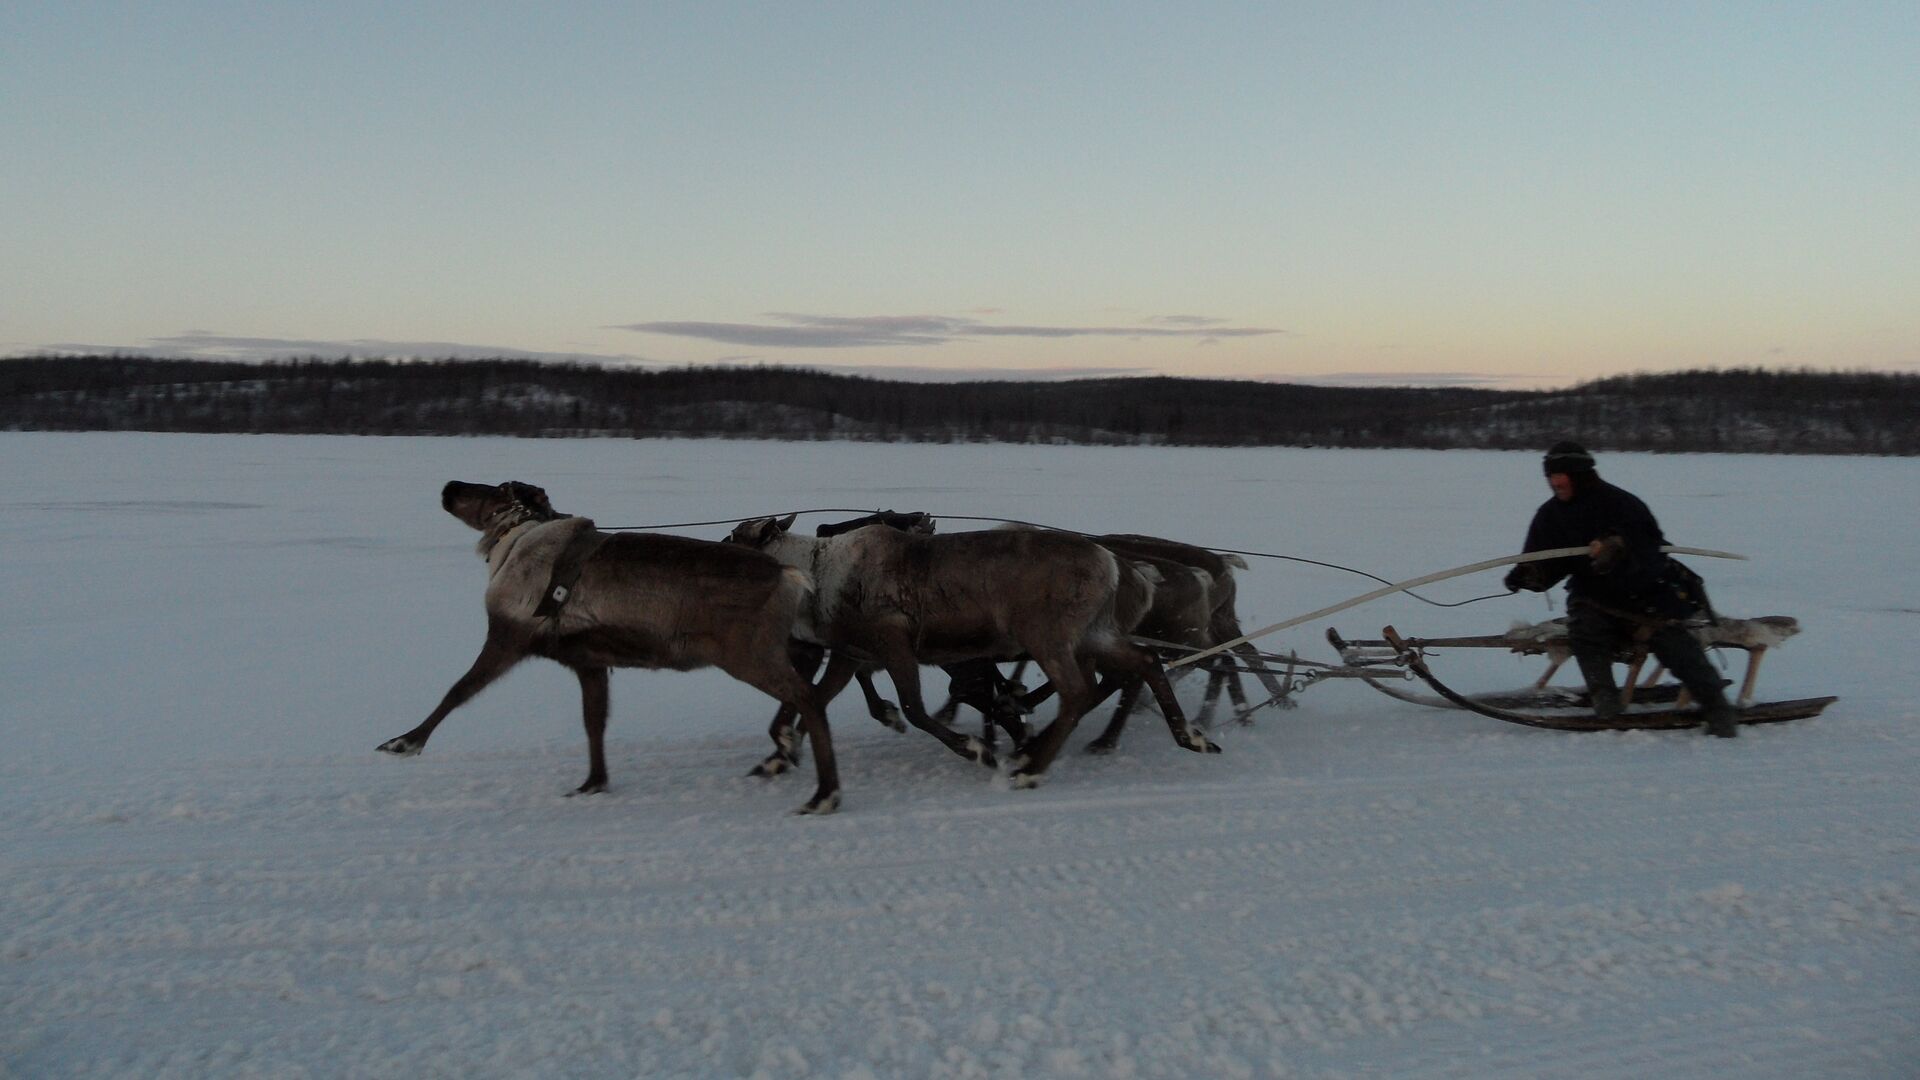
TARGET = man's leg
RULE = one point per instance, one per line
(1593, 636)
(1685, 657)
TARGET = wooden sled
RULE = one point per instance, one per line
(1647, 704)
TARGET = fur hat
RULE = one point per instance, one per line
(1567, 457)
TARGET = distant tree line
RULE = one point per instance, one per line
(1737, 410)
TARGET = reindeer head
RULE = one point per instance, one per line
(760, 532)
(495, 508)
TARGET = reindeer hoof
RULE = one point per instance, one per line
(820, 805)
(591, 787)
(401, 746)
(1098, 746)
(975, 750)
(1200, 744)
(890, 716)
(1022, 781)
(772, 767)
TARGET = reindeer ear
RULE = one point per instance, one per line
(785, 523)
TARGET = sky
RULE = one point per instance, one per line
(1520, 194)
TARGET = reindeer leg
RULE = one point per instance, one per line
(904, 669)
(1216, 680)
(786, 748)
(1008, 708)
(806, 658)
(978, 683)
(593, 713)
(826, 771)
(502, 650)
(783, 683)
(1184, 735)
(1260, 670)
(1237, 694)
(809, 702)
(878, 707)
(1110, 738)
(1076, 696)
(1134, 667)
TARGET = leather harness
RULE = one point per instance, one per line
(567, 567)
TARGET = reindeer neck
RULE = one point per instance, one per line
(506, 526)
(800, 551)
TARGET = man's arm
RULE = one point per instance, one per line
(1539, 576)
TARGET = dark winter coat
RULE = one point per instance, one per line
(1639, 578)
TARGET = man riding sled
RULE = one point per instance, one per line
(1625, 591)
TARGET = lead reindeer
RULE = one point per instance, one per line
(559, 588)
(900, 600)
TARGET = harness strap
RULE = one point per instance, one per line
(567, 567)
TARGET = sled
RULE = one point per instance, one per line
(1646, 704)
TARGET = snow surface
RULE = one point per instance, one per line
(209, 871)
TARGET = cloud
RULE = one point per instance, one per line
(794, 331)
(206, 345)
(1186, 320)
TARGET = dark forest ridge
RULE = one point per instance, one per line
(1742, 410)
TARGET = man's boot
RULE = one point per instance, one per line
(1601, 689)
(1720, 719)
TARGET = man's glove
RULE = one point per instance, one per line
(1606, 552)
(1524, 576)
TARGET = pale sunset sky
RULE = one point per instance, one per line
(1515, 194)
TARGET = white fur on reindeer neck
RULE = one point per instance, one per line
(520, 564)
(827, 563)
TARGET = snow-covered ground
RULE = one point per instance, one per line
(208, 871)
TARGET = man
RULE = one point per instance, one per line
(1624, 590)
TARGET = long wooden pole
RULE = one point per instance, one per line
(1428, 579)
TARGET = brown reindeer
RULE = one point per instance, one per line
(559, 588)
(1223, 622)
(972, 682)
(900, 600)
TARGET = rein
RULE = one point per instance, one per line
(1390, 587)
(1428, 579)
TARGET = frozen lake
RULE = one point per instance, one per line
(208, 871)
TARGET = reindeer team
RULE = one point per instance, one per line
(879, 593)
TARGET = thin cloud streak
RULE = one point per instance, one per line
(847, 332)
(205, 345)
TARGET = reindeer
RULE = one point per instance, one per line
(885, 596)
(972, 682)
(559, 588)
(1223, 622)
